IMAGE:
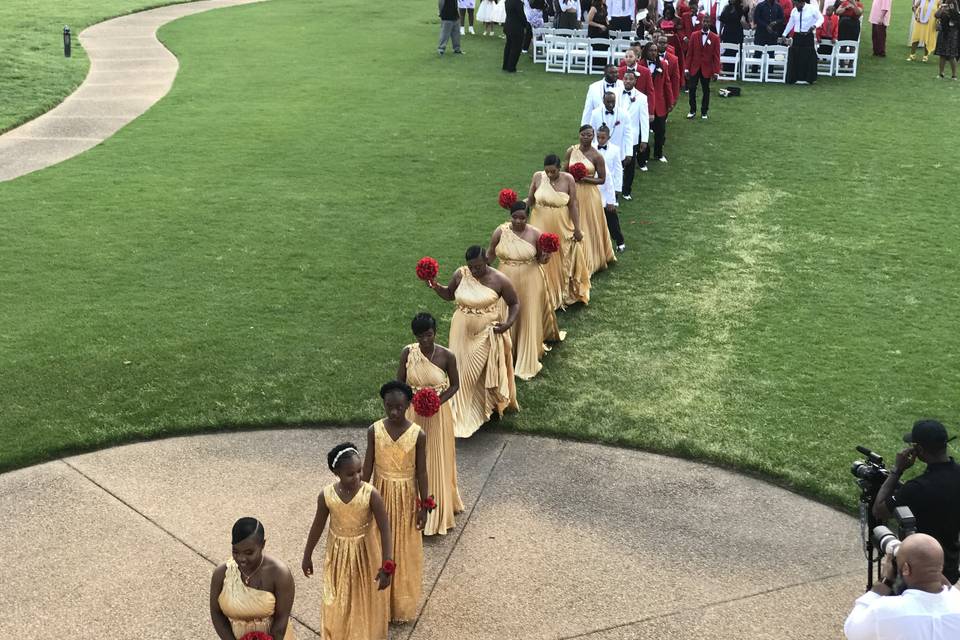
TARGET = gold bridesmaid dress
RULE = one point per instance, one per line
(538, 319)
(484, 358)
(441, 443)
(598, 248)
(248, 609)
(353, 608)
(568, 280)
(395, 477)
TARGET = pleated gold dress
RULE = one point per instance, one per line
(538, 319)
(395, 477)
(441, 443)
(568, 280)
(247, 609)
(597, 246)
(353, 608)
(484, 358)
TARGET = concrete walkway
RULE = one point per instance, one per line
(560, 540)
(129, 72)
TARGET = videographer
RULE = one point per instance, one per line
(929, 608)
(933, 496)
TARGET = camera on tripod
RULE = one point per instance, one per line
(889, 542)
(871, 474)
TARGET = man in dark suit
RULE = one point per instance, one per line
(703, 65)
(514, 27)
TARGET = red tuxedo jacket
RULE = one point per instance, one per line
(701, 59)
(663, 97)
(676, 75)
(644, 81)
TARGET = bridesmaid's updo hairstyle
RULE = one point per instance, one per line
(247, 527)
(340, 454)
(586, 126)
(518, 205)
(474, 252)
(552, 160)
(423, 322)
(396, 385)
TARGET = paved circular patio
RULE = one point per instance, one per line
(560, 540)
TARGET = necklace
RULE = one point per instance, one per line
(247, 578)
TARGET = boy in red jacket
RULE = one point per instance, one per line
(703, 65)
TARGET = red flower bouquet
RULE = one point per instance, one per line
(257, 635)
(578, 170)
(427, 268)
(429, 504)
(549, 242)
(507, 198)
(426, 402)
(389, 567)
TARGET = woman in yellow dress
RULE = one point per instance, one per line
(251, 591)
(597, 247)
(923, 29)
(427, 364)
(552, 202)
(354, 580)
(479, 338)
(396, 460)
(516, 244)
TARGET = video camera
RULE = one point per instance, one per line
(888, 542)
(870, 474)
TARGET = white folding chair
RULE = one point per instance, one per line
(618, 50)
(753, 67)
(539, 45)
(846, 53)
(776, 67)
(557, 51)
(748, 35)
(825, 57)
(578, 56)
(599, 52)
(729, 58)
(565, 32)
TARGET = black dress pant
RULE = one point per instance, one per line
(511, 50)
(527, 37)
(629, 171)
(621, 23)
(658, 127)
(692, 88)
(567, 20)
(613, 224)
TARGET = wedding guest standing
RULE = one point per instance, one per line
(712, 9)
(622, 14)
(802, 60)
(598, 250)
(426, 364)
(768, 20)
(923, 30)
(491, 12)
(513, 29)
(635, 103)
(879, 21)
(396, 465)
(449, 18)
(552, 201)
(598, 23)
(355, 602)
(733, 20)
(466, 9)
(251, 591)
(480, 339)
(848, 12)
(613, 183)
(948, 39)
(596, 91)
(703, 60)
(569, 17)
(517, 245)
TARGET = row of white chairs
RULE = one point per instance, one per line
(758, 63)
(578, 55)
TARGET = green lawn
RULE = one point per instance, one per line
(243, 254)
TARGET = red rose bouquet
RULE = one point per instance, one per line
(426, 402)
(507, 198)
(429, 504)
(578, 170)
(549, 242)
(427, 268)
(257, 635)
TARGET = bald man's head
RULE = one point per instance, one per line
(920, 559)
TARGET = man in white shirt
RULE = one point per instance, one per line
(712, 8)
(598, 89)
(634, 102)
(802, 60)
(611, 184)
(617, 121)
(622, 14)
(929, 608)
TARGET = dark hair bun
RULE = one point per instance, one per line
(246, 527)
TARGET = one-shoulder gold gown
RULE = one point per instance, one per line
(441, 443)
(568, 280)
(597, 246)
(353, 608)
(537, 320)
(247, 609)
(484, 358)
(395, 477)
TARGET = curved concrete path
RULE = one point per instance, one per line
(130, 70)
(560, 540)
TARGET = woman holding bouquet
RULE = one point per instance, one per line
(396, 460)
(521, 255)
(251, 592)
(480, 339)
(553, 204)
(426, 365)
(597, 249)
(355, 580)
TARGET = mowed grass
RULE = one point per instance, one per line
(243, 254)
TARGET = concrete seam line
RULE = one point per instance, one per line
(709, 605)
(456, 541)
(162, 528)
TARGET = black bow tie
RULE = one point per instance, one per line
(602, 147)
(610, 86)
(609, 113)
(628, 94)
